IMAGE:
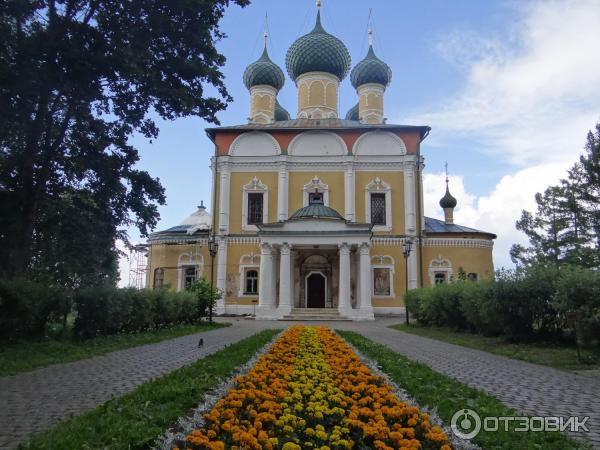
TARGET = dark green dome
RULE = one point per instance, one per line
(352, 113)
(281, 113)
(371, 70)
(264, 71)
(318, 51)
(447, 200)
(316, 210)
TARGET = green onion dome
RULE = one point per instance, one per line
(352, 113)
(318, 51)
(371, 70)
(281, 113)
(264, 71)
(447, 200)
(316, 210)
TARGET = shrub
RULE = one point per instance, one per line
(439, 305)
(201, 289)
(26, 307)
(106, 310)
(578, 290)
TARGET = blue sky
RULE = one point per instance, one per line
(510, 90)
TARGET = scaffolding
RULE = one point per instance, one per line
(138, 266)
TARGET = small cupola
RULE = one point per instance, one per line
(448, 203)
(370, 77)
(264, 79)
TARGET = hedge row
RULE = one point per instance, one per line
(524, 305)
(26, 308)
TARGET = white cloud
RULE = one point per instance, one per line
(529, 99)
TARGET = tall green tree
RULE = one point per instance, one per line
(77, 79)
(565, 228)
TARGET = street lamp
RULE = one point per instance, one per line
(213, 245)
(406, 247)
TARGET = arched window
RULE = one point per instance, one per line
(189, 277)
(159, 278)
(251, 284)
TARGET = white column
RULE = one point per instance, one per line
(282, 193)
(410, 200)
(266, 285)
(349, 194)
(221, 275)
(413, 266)
(344, 303)
(224, 199)
(285, 290)
(366, 308)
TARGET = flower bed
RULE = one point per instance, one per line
(312, 391)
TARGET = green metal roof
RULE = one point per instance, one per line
(316, 210)
(371, 70)
(318, 51)
(352, 113)
(264, 71)
(280, 112)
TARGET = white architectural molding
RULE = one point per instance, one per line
(349, 194)
(378, 186)
(247, 262)
(458, 242)
(189, 259)
(282, 192)
(410, 201)
(224, 198)
(388, 241)
(383, 262)
(221, 274)
(440, 265)
(255, 143)
(310, 187)
(379, 143)
(317, 143)
(254, 186)
(243, 240)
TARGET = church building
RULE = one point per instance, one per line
(317, 216)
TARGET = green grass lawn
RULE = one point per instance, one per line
(447, 395)
(135, 420)
(61, 347)
(556, 356)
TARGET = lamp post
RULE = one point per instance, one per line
(212, 250)
(406, 247)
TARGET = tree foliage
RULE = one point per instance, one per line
(77, 79)
(565, 228)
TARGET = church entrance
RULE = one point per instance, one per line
(315, 290)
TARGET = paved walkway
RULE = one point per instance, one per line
(34, 401)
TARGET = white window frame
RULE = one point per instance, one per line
(383, 262)
(315, 184)
(255, 186)
(440, 265)
(248, 262)
(378, 186)
(185, 260)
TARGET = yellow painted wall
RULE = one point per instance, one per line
(234, 253)
(477, 260)
(236, 191)
(167, 257)
(399, 275)
(396, 181)
(297, 180)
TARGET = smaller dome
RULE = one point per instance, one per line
(371, 70)
(281, 113)
(352, 113)
(316, 210)
(264, 71)
(447, 200)
(198, 220)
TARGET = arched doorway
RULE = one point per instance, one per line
(316, 290)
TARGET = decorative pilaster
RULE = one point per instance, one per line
(285, 289)
(221, 275)
(282, 193)
(366, 308)
(349, 194)
(266, 285)
(410, 213)
(224, 199)
(344, 303)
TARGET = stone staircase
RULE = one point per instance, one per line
(321, 314)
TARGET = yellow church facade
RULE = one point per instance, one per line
(318, 215)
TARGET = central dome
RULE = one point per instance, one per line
(318, 51)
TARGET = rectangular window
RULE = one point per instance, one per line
(251, 282)
(255, 208)
(189, 277)
(378, 209)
